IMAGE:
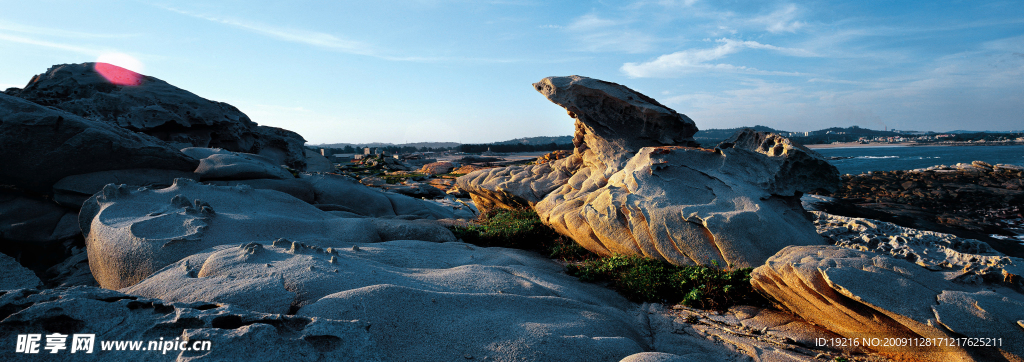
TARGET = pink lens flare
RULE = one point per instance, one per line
(117, 75)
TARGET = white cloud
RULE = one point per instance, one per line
(685, 61)
(781, 20)
(595, 34)
(313, 38)
(48, 44)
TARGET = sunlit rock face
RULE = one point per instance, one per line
(638, 184)
(864, 294)
(108, 93)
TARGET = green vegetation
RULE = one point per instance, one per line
(647, 280)
(636, 278)
(520, 229)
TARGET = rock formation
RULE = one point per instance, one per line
(637, 184)
(136, 102)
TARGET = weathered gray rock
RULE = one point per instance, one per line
(122, 98)
(131, 233)
(972, 259)
(636, 186)
(15, 276)
(220, 164)
(315, 162)
(352, 196)
(73, 190)
(860, 294)
(297, 187)
(40, 146)
(233, 333)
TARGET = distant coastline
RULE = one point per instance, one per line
(910, 144)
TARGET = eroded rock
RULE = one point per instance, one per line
(636, 183)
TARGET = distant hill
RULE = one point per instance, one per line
(713, 136)
(561, 140)
(380, 144)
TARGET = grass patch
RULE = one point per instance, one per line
(642, 279)
(520, 229)
(637, 278)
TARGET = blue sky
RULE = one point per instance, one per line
(450, 70)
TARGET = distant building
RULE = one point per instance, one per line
(366, 151)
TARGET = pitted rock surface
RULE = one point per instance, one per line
(133, 232)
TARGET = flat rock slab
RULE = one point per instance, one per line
(423, 301)
(34, 222)
(15, 276)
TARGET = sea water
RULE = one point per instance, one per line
(857, 160)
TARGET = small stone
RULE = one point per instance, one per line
(355, 247)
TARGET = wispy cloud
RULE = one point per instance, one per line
(781, 20)
(682, 62)
(593, 33)
(35, 30)
(313, 38)
(52, 45)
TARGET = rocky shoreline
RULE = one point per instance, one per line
(140, 211)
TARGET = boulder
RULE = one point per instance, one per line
(131, 233)
(315, 162)
(220, 164)
(637, 185)
(232, 333)
(136, 102)
(352, 196)
(478, 303)
(40, 146)
(14, 276)
(437, 168)
(613, 121)
(73, 190)
(859, 294)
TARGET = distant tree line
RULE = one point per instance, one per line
(478, 148)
